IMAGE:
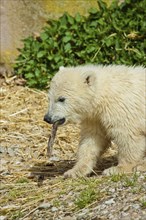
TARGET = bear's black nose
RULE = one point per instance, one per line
(48, 119)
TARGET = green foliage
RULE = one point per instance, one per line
(143, 204)
(130, 181)
(22, 180)
(86, 197)
(109, 35)
(117, 178)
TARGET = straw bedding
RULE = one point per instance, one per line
(24, 133)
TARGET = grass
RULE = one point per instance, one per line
(117, 178)
(22, 180)
(73, 195)
(130, 181)
(126, 179)
(16, 215)
(143, 204)
(86, 197)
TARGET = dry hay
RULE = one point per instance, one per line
(24, 133)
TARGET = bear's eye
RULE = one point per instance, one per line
(61, 99)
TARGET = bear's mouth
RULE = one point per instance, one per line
(56, 121)
(60, 121)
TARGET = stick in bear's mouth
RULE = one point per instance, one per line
(52, 138)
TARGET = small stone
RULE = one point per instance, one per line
(124, 214)
(17, 162)
(142, 177)
(110, 216)
(136, 206)
(11, 152)
(70, 204)
(110, 201)
(112, 190)
(3, 150)
(143, 198)
(143, 218)
(69, 218)
(2, 217)
(36, 212)
(13, 207)
(54, 209)
(104, 212)
(45, 205)
(126, 208)
(54, 158)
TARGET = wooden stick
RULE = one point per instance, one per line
(51, 139)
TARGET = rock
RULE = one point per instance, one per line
(54, 209)
(126, 208)
(11, 207)
(3, 150)
(143, 198)
(124, 214)
(143, 218)
(11, 152)
(69, 218)
(136, 206)
(45, 205)
(112, 190)
(105, 212)
(54, 158)
(2, 217)
(110, 202)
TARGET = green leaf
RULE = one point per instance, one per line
(37, 72)
(70, 19)
(67, 47)
(102, 5)
(29, 75)
(44, 36)
(78, 17)
(41, 54)
(57, 58)
(93, 11)
(66, 39)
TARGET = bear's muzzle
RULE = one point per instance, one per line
(49, 120)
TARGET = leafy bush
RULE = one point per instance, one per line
(108, 35)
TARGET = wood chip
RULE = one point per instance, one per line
(52, 138)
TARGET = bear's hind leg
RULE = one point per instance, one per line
(141, 166)
(130, 158)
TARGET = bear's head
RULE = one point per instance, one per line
(70, 97)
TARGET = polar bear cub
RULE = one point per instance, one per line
(109, 103)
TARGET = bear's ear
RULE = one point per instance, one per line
(89, 78)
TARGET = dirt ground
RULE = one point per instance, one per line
(32, 185)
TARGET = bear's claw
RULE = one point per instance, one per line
(74, 173)
(70, 174)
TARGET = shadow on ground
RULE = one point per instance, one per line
(53, 169)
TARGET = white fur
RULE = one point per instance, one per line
(109, 103)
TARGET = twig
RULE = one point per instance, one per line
(16, 113)
(33, 210)
(52, 138)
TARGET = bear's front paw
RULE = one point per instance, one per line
(72, 173)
